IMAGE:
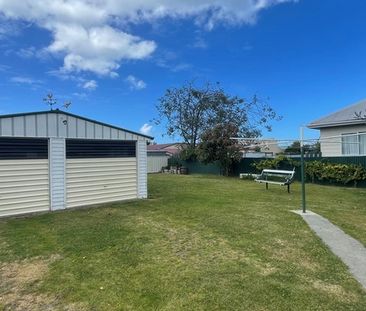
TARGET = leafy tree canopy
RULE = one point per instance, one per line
(216, 145)
(295, 148)
(191, 110)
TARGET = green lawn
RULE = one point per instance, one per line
(198, 243)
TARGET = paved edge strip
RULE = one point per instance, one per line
(348, 249)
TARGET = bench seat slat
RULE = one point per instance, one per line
(270, 182)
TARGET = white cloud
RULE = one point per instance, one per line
(90, 85)
(146, 129)
(7, 28)
(135, 84)
(28, 52)
(97, 49)
(86, 35)
(200, 43)
(173, 67)
(170, 60)
(113, 75)
(25, 80)
(4, 68)
(32, 52)
(3, 31)
(81, 96)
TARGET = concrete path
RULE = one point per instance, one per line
(352, 252)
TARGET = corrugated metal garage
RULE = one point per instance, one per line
(55, 160)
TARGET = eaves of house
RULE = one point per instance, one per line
(343, 117)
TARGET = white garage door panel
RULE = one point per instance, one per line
(100, 201)
(92, 174)
(97, 189)
(90, 183)
(98, 177)
(101, 180)
(102, 169)
(24, 186)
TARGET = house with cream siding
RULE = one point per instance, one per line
(343, 133)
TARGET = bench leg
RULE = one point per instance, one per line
(288, 188)
(267, 186)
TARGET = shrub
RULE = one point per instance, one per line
(175, 161)
(342, 173)
(313, 170)
(279, 162)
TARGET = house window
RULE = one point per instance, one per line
(354, 144)
(362, 138)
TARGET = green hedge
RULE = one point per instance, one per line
(323, 171)
(335, 172)
(340, 170)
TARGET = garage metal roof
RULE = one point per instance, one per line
(57, 123)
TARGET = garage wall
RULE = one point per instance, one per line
(24, 183)
(57, 173)
(100, 180)
(141, 148)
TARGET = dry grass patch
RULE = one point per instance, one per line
(285, 251)
(336, 291)
(18, 281)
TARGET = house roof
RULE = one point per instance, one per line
(172, 148)
(345, 116)
(75, 116)
(159, 147)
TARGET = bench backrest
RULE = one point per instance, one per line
(283, 175)
(279, 172)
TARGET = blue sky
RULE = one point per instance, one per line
(114, 60)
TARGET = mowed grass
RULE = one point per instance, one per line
(197, 243)
(345, 207)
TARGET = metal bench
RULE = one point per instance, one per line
(276, 177)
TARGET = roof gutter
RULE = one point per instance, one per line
(335, 124)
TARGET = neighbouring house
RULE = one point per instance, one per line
(156, 160)
(343, 133)
(173, 148)
(53, 160)
(159, 154)
(271, 146)
(267, 148)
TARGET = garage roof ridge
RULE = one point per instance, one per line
(75, 116)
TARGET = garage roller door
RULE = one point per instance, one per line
(24, 181)
(100, 172)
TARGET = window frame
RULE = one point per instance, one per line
(358, 136)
